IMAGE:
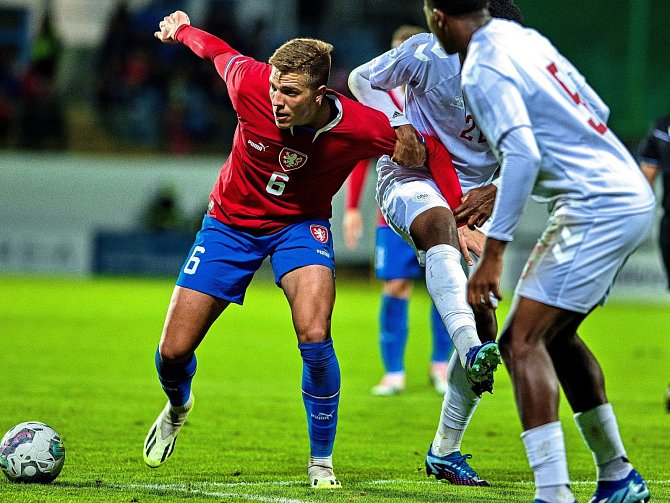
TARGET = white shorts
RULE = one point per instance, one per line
(576, 261)
(403, 194)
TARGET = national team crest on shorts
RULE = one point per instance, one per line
(290, 159)
(319, 232)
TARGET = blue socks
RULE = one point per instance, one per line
(393, 332)
(320, 394)
(393, 323)
(442, 344)
(176, 378)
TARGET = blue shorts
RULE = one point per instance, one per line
(223, 260)
(394, 257)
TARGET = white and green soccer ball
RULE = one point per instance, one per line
(31, 452)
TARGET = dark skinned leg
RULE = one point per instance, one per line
(433, 227)
(579, 372)
(531, 328)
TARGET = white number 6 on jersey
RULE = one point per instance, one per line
(277, 183)
(194, 260)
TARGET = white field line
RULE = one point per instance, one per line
(200, 488)
(191, 489)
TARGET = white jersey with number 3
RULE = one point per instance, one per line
(434, 103)
(513, 77)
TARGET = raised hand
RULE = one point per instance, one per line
(169, 26)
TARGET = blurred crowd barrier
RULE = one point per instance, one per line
(80, 214)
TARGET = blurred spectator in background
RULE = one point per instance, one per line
(131, 93)
(164, 213)
(9, 93)
(185, 109)
(42, 123)
(654, 156)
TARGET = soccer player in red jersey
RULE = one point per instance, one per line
(295, 144)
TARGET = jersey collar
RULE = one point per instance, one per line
(328, 126)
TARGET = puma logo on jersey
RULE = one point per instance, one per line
(258, 146)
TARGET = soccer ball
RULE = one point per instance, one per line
(31, 452)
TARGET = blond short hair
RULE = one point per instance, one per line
(404, 32)
(309, 56)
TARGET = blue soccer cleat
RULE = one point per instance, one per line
(480, 364)
(453, 468)
(631, 489)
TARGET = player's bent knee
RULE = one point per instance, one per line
(315, 332)
(172, 353)
(516, 344)
(434, 226)
(312, 337)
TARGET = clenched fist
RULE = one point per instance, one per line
(169, 26)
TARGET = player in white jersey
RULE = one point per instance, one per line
(434, 105)
(548, 128)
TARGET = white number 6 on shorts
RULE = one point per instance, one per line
(194, 260)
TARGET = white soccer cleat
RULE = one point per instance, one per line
(322, 477)
(160, 441)
(389, 385)
(438, 377)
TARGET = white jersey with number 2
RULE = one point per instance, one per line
(434, 103)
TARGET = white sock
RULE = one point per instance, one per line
(458, 406)
(555, 494)
(545, 449)
(446, 283)
(325, 462)
(600, 431)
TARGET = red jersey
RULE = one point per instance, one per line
(276, 177)
(356, 181)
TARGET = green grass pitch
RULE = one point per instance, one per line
(78, 355)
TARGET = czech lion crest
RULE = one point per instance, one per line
(319, 232)
(290, 159)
